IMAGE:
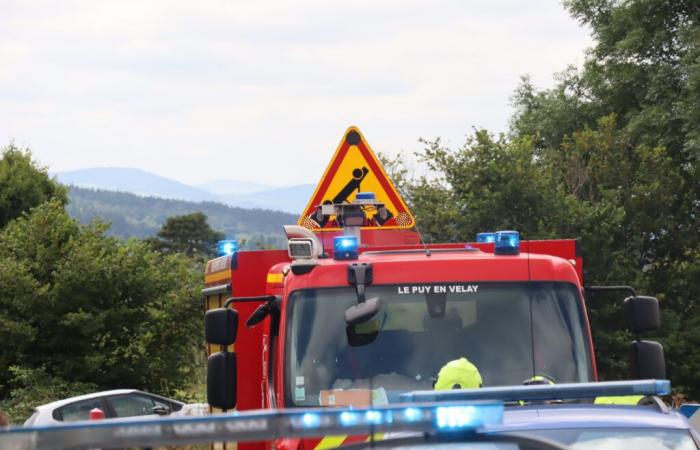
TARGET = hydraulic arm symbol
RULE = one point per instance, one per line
(354, 184)
(357, 211)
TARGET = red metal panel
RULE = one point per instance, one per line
(373, 239)
(378, 240)
(250, 276)
(563, 248)
(453, 267)
(249, 279)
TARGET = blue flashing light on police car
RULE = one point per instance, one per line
(226, 247)
(348, 418)
(345, 247)
(507, 243)
(455, 417)
(485, 237)
(375, 417)
(311, 420)
(253, 426)
(412, 414)
(464, 417)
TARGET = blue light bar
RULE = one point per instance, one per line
(255, 426)
(366, 196)
(345, 247)
(507, 243)
(226, 247)
(456, 417)
(485, 237)
(541, 392)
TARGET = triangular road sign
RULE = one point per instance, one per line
(355, 168)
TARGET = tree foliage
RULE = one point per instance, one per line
(609, 155)
(35, 386)
(23, 185)
(93, 311)
(190, 235)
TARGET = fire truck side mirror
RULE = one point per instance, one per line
(363, 333)
(642, 314)
(221, 326)
(648, 360)
(362, 312)
(221, 380)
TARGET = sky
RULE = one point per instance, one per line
(263, 90)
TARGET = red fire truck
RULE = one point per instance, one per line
(358, 311)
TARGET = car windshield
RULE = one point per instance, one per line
(621, 439)
(509, 331)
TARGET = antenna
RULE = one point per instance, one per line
(422, 241)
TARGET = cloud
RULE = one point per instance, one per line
(263, 90)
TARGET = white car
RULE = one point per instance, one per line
(115, 403)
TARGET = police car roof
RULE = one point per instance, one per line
(579, 416)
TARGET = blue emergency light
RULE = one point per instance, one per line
(261, 425)
(507, 243)
(485, 237)
(458, 417)
(345, 247)
(226, 247)
(450, 417)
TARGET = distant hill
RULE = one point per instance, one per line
(233, 187)
(244, 194)
(291, 199)
(141, 217)
(135, 181)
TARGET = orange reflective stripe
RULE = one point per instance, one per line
(275, 277)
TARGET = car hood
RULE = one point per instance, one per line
(539, 417)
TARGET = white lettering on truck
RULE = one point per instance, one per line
(439, 289)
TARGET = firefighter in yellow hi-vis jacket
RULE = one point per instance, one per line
(458, 374)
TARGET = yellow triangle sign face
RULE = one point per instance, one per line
(355, 168)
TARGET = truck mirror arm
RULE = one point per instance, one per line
(271, 307)
(629, 289)
(360, 275)
(259, 298)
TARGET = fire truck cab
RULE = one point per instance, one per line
(359, 315)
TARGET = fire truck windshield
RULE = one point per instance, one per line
(511, 331)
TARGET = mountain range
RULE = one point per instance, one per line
(131, 215)
(237, 193)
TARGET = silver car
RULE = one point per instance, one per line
(115, 403)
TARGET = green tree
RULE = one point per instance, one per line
(610, 155)
(23, 184)
(79, 306)
(622, 135)
(32, 387)
(188, 234)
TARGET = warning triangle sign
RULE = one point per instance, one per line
(353, 169)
